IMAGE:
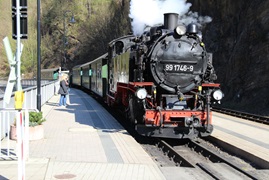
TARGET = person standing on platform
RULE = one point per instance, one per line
(68, 92)
(63, 91)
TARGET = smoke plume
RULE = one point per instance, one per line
(146, 13)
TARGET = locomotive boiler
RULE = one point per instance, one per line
(163, 80)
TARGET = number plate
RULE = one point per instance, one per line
(178, 68)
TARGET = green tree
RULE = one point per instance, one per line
(97, 23)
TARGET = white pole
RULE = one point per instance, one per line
(20, 133)
(18, 52)
(19, 145)
(26, 135)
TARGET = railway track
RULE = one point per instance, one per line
(193, 154)
(243, 115)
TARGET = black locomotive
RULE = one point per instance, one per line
(163, 79)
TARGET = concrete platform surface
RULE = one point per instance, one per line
(82, 141)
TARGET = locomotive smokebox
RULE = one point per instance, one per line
(170, 20)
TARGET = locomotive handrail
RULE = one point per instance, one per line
(155, 43)
(173, 61)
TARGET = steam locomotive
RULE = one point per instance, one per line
(162, 79)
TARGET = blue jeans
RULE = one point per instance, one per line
(62, 100)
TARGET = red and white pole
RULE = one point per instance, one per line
(20, 145)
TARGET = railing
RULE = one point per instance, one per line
(7, 147)
(17, 131)
(48, 89)
(19, 149)
(26, 83)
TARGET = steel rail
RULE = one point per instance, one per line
(181, 161)
(171, 152)
(243, 115)
(203, 150)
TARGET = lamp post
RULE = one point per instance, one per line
(72, 20)
(38, 58)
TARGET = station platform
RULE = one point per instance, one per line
(83, 141)
(245, 138)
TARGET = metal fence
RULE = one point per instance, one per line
(18, 148)
(48, 89)
(17, 132)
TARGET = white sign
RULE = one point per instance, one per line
(12, 74)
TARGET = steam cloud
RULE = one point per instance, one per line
(146, 13)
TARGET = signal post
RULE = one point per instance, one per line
(19, 31)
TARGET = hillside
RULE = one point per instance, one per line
(96, 23)
(28, 58)
(238, 37)
(5, 30)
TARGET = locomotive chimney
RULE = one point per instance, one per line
(170, 20)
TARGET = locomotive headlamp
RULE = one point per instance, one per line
(141, 93)
(180, 30)
(217, 95)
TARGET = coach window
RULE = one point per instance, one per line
(119, 47)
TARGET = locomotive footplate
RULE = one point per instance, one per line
(174, 132)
